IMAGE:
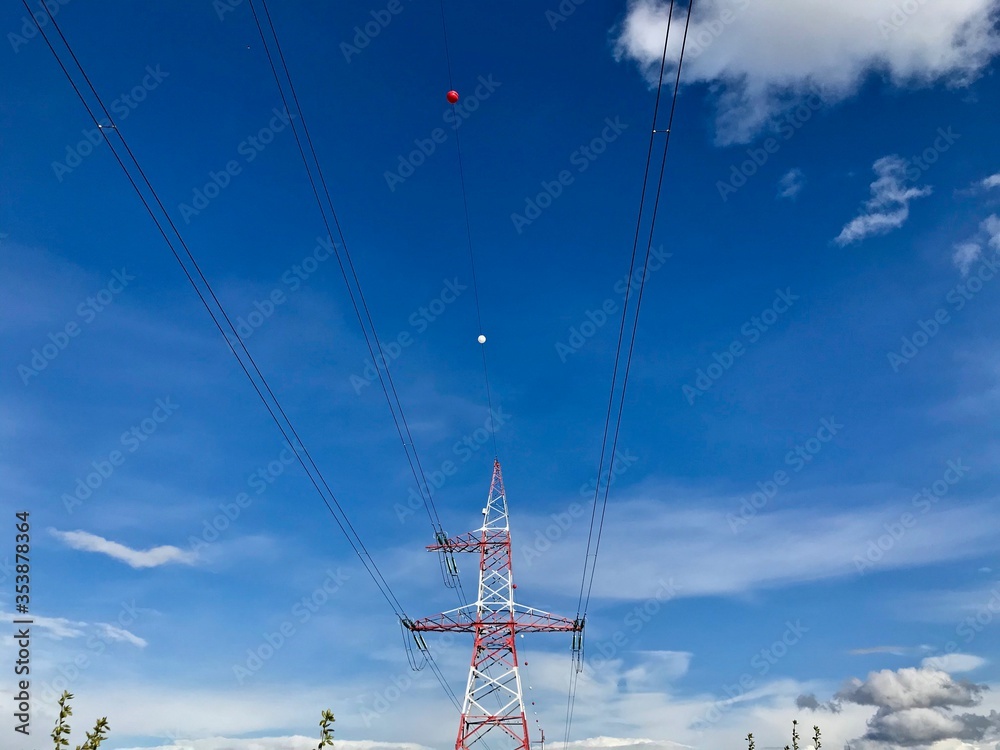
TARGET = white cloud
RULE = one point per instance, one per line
(894, 650)
(966, 253)
(991, 182)
(150, 558)
(762, 58)
(684, 536)
(889, 206)
(56, 627)
(898, 690)
(293, 742)
(916, 708)
(791, 184)
(613, 709)
(114, 633)
(992, 228)
(954, 662)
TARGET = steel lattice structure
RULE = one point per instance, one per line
(496, 620)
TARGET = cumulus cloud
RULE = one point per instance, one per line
(791, 184)
(889, 205)
(911, 688)
(761, 59)
(150, 558)
(915, 708)
(991, 182)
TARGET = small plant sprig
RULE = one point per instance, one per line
(326, 731)
(61, 732)
(795, 738)
(60, 735)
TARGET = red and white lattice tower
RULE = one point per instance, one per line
(493, 699)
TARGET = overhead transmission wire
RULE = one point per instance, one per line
(468, 234)
(311, 162)
(449, 569)
(274, 408)
(590, 561)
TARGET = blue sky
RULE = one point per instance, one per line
(819, 330)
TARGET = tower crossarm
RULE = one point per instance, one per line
(474, 541)
(495, 619)
(531, 620)
(521, 618)
(460, 620)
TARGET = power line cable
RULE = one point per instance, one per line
(355, 292)
(286, 428)
(590, 561)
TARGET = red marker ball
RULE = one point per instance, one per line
(452, 96)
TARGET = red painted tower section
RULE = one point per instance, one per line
(494, 703)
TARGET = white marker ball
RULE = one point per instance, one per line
(482, 339)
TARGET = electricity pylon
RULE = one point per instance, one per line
(496, 620)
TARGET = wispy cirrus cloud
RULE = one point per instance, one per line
(889, 205)
(791, 183)
(150, 558)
